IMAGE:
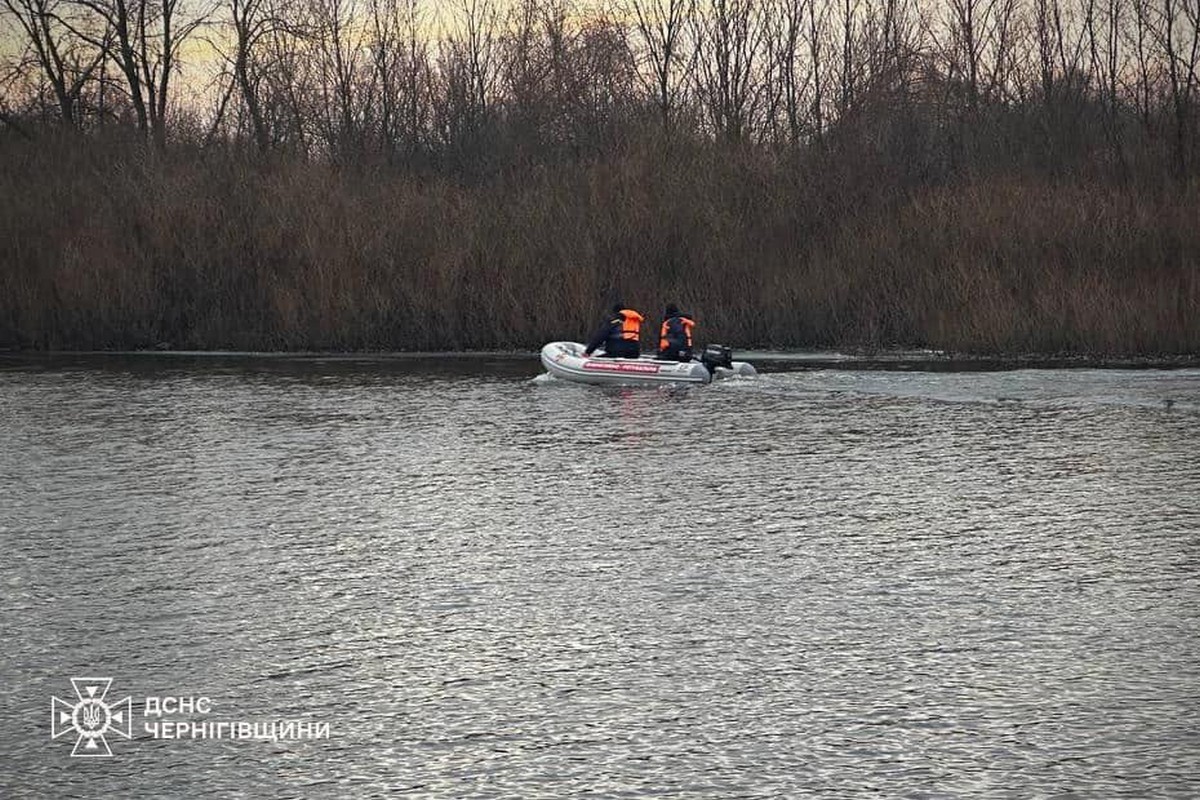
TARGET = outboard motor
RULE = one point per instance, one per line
(717, 355)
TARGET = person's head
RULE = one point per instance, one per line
(618, 307)
(672, 310)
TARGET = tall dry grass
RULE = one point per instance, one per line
(109, 243)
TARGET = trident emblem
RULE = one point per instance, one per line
(91, 717)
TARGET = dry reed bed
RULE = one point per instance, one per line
(115, 245)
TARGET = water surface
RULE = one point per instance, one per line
(829, 582)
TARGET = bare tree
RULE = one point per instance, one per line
(730, 37)
(971, 26)
(1107, 65)
(661, 31)
(400, 57)
(850, 67)
(65, 59)
(343, 86)
(253, 23)
(784, 34)
(468, 60)
(818, 36)
(143, 38)
(1177, 34)
(1060, 48)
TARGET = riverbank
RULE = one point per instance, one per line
(114, 245)
(521, 362)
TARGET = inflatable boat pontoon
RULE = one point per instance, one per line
(566, 360)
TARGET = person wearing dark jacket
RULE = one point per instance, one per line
(619, 335)
(675, 337)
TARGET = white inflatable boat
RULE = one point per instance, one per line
(566, 360)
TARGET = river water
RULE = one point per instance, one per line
(826, 581)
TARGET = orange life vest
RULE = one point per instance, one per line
(685, 324)
(631, 324)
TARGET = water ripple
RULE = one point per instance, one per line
(827, 583)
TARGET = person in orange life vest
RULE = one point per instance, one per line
(675, 338)
(619, 334)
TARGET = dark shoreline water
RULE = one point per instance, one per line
(767, 361)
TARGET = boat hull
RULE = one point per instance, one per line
(565, 360)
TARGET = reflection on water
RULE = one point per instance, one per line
(831, 582)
